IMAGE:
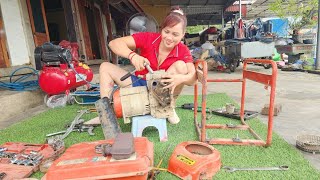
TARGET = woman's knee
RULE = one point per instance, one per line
(105, 67)
(179, 67)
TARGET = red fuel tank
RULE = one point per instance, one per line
(57, 80)
(80, 161)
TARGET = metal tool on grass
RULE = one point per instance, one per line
(237, 139)
(76, 125)
(77, 128)
(279, 168)
(156, 170)
(222, 112)
(190, 106)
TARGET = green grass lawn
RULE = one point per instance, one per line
(33, 130)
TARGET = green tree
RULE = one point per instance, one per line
(196, 29)
(302, 13)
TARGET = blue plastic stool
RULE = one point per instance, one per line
(139, 123)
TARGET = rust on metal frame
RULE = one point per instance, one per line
(266, 79)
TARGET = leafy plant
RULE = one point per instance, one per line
(302, 14)
(196, 29)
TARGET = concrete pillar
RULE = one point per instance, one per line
(317, 64)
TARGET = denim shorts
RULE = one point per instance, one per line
(138, 81)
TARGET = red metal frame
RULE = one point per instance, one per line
(266, 79)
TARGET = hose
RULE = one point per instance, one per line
(77, 74)
(20, 84)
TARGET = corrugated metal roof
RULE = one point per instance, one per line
(197, 11)
(235, 8)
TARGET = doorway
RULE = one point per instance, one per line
(38, 21)
(93, 34)
(51, 22)
(92, 31)
(56, 21)
(47, 18)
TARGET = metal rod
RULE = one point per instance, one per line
(204, 102)
(222, 18)
(317, 64)
(160, 162)
(240, 9)
(164, 154)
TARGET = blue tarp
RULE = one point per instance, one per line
(280, 27)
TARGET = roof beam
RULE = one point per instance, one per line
(188, 4)
(206, 3)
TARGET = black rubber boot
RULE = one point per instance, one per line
(108, 119)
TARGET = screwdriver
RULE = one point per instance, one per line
(132, 72)
(190, 106)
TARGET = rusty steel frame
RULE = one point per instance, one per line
(266, 79)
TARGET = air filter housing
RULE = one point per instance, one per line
(308, 143)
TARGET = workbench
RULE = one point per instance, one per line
(294, 51)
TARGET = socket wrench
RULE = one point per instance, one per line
(132, 72)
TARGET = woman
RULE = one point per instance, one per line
(159, 50)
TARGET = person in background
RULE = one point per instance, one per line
(162, 51)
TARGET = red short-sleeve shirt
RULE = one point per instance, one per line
(148, 43)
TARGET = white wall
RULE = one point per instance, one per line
(27, 30)
(16, 38)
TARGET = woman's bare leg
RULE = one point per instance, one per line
(110, 74)
(179, 67)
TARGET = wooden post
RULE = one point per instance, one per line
(76, 27)
(101, 40)
(84, 27)
(106, 12)
(72, 37)
(4, 56)
(136, 5)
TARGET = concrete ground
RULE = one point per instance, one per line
(297, 92)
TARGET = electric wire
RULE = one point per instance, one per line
(73, 69)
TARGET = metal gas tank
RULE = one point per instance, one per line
(80, 161)
(57, 80)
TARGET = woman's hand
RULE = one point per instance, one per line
(139, 62)
(172, 81)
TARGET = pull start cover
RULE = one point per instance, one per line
(194, 160)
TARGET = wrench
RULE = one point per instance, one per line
(233, 169)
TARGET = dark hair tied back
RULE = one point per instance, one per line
(175, 16)
(177, 10)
